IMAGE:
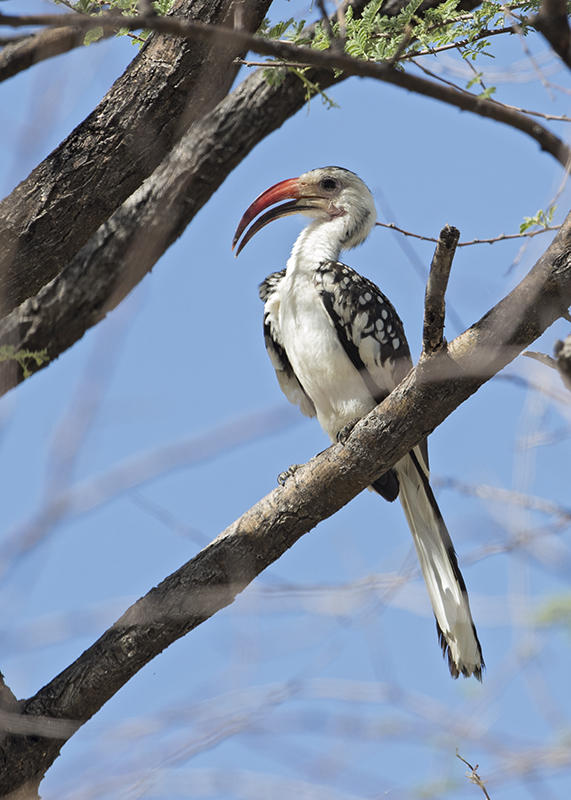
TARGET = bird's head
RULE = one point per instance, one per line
(327, 194)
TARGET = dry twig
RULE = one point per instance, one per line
(502, 237)
(434, 306)
(473, 776)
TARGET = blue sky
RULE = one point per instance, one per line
(325, 677)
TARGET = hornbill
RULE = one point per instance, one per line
(338, 348)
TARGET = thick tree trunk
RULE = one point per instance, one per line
(170, 84)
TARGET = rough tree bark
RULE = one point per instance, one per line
(170, 84)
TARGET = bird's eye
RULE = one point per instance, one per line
(328, 184)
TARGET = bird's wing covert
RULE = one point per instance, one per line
(367, 326)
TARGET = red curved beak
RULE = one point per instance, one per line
(283, 190)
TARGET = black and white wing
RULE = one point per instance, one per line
(287, 379)
(367, 326)
(372, 335)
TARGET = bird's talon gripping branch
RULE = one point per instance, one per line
(346, 431)
(284, 476)
(338, 348)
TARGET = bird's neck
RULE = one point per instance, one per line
(319, 242)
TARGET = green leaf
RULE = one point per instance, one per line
(93, 35)
(487, 93)
(541, 219)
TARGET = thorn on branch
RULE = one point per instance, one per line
(434, 306)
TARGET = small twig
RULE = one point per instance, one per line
(485, 34)
(473, 776)
(342, 22)
(436, 77)
(543, 358)
(526, 50)
(508, 106)
(502, 237)
(271, 64)
(402, 45)
(505, 236)
(434, 306)
(327, 24)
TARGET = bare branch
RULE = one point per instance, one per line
(434, 306)
(485, 34)
(502, 237)
(473, 776)
(558, 117)
(327, 23)
(20, 55)
(543, 358)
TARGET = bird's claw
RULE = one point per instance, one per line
(283, 477)
(345, 431)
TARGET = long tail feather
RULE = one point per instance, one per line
(444, 581)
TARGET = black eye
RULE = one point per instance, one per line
(328, 184)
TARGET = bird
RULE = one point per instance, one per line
(338, 348)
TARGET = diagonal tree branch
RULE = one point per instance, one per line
(210, 581)
(170, 84)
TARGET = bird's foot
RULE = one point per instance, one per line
(283, 477)
(345, 431)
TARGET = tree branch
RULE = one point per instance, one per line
(168, 85)
(434, 307)
(18, 56)
(553, 22)
(321, 59)
(210, 581)
(126, 247)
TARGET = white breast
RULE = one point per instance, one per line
(316, 355)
